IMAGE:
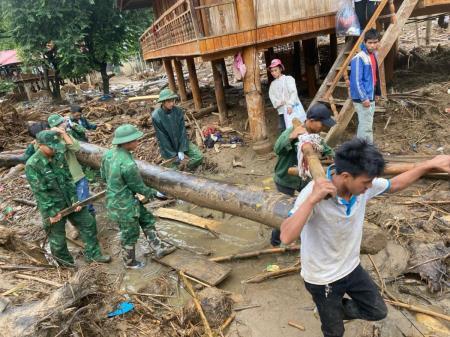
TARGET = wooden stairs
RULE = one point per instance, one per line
(337, 78)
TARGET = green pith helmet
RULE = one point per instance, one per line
(50, 139)
(54, 120)
(126, 133)
(166, 94)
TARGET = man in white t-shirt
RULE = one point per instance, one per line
(329, 216)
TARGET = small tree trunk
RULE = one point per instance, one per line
(46, 81)
(105, 78)
(56, 93)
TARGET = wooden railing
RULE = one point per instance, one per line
(186, 21)
(174, 26)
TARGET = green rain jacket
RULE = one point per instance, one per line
(286, 150)
(170, 131)
(123, 180)
(51, 183)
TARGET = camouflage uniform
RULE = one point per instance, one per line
(121, 173)
(54, 190)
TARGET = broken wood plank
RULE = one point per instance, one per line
(196, 266)
(143, 98)
(296, 325)
(188, 218)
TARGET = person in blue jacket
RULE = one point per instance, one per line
(365, 84)
(78, 124)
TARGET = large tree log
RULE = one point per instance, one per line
(249, 202)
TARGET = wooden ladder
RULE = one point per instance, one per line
(340, 68)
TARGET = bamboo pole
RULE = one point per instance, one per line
(254, 254)
(191, 291)
(415, 308)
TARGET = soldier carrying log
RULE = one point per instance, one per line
(124, 182)
(48, 174)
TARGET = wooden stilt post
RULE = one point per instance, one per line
(252, 81)
(333, 48)
(220, 93)
(193, 80)
(169, 72)
(180, 79)
(311, 57)
(297, 62)
(224, 73)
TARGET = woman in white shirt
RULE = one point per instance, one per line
(284, 97)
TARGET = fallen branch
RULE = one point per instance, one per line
(296, 325)
(418, 309)
(17, 267)
(191, 291)
(426, 202)
(430, 260)
(25, 202)
(247, 307)
(38, 279)
(228, 321)
(254, 254)
(144, 294)
(274, 274)
(383, 285)
(14, 171)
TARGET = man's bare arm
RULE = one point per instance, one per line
(402, 181)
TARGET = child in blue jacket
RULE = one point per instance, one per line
(365, 84)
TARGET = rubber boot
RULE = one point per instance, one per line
(159, 247)
(129, 258)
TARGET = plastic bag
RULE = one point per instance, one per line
(347, 23)
(297, 112)
(239, 68)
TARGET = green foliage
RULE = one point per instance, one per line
(6, 86)
(6, 42)
(87, 34)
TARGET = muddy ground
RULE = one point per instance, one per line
(414, 123)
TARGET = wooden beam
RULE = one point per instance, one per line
(392, 33)
(224, 73)
(311, 58)
(180, 79)
(220, 93)
(169, 72)
(296, 63)
(193, 80)
(333, 47)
